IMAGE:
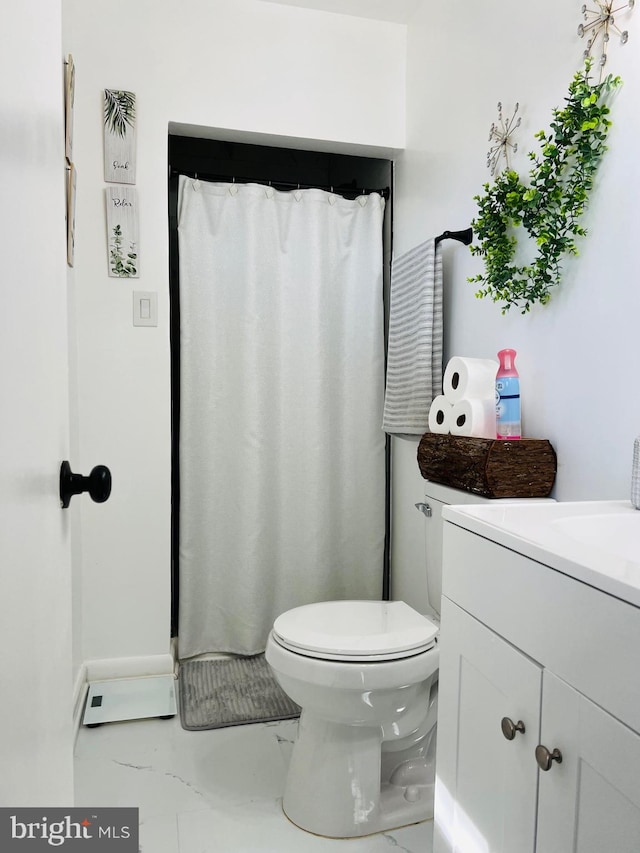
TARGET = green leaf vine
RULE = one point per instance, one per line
(120, 266)
(119, 111)
(549, 206)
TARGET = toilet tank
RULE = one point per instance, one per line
(426, 599)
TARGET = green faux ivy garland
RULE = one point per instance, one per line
(549, 207)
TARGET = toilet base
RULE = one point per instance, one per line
(397, 816)
(334, 782)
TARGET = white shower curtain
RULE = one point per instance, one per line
(282, 469)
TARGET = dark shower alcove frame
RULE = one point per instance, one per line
(284, 169)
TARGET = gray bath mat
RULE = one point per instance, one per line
(230, 692)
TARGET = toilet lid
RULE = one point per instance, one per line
(355, 630)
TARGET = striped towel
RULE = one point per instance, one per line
(414, 361)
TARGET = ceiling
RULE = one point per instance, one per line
(397, 11)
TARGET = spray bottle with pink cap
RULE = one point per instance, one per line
(507, 396)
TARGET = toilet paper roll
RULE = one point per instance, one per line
(440, 415)
(470, 379)
(475, 418)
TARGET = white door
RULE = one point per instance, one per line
(35, 605)
(485, 783)
(591, 801)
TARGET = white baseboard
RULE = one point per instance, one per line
(104, 669)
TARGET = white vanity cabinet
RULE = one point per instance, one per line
(436, 498)
(424, 592)
(486, 786)
(592, 802)
(533, 661)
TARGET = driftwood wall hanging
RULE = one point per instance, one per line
(69, 96)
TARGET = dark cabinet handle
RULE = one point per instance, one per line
(510, 729)
(545, 758)
(98, 484)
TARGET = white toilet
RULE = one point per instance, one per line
(365, 676)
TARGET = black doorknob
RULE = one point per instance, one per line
(98, 484)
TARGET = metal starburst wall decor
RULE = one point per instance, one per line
(501, 135)
(599, 24)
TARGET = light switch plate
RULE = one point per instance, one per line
(145, 308)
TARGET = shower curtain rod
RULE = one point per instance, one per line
(285, 185)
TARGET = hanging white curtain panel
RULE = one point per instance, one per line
(282, 469)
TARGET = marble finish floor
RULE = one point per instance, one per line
(216, 791)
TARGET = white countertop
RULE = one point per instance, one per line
(596, 542)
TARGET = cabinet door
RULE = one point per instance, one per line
(591, 801)
(486, 785)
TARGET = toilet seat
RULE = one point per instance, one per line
(355, 630)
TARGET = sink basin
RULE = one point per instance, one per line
(597, 542)
(616, 534)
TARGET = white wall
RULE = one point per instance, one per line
(244, 66)
(578, 356)
(260, 68)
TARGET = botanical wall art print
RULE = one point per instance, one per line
(119, 136)
(122, 232)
